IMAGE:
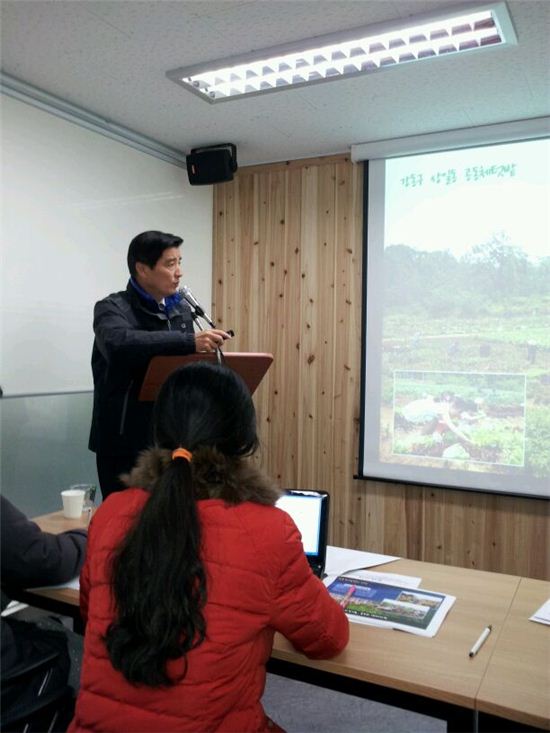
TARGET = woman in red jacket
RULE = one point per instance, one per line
(189, 574)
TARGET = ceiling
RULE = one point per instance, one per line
(111, 58)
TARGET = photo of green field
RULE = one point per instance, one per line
(466, 359)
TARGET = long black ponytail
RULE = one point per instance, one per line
(158, 578)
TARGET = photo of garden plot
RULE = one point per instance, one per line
(474, 343)
(460, 416)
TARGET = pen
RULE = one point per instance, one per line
(481, 641)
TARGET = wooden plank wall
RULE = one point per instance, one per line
(287, 278)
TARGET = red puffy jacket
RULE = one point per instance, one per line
(258, 582)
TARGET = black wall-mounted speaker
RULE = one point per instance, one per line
(212, 164)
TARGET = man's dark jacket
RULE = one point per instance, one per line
(129, 330)
(31, 558)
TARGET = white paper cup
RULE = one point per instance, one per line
(73, 503)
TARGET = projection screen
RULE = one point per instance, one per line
(456, 319)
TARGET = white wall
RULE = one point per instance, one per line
(72, 200)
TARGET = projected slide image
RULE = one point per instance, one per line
(457, 367)
(459, 417)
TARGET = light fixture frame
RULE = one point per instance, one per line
(503, 24)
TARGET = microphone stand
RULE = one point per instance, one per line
(197, 311)
(196, 315)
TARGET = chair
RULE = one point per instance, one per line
(42, 704)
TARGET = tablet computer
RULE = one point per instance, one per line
(309, 510)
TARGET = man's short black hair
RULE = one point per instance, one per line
(148, 247)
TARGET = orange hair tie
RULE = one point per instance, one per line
(182, 453)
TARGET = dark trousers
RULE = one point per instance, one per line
(109, 469)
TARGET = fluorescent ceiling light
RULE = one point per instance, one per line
(350, 53)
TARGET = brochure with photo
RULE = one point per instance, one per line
(415, 610)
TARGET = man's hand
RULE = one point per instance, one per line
(208, 341)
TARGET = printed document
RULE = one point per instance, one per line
(74, 584)
(415, 610)
(341, 560)
(542, 616)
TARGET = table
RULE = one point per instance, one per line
(517, 682)
(433, 676)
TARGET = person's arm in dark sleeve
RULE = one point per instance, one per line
(84, 595)
(303, 610)
(124, 345)
(31, 557)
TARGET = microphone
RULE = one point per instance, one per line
(187, 295)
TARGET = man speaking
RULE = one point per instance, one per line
(149, 318)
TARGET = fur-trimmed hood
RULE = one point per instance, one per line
(215, 476)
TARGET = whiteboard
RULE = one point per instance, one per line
(72, 200)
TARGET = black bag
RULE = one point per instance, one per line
(39, 682)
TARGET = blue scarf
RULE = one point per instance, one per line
(169, 303)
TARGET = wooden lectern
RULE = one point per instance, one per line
(251, 367)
